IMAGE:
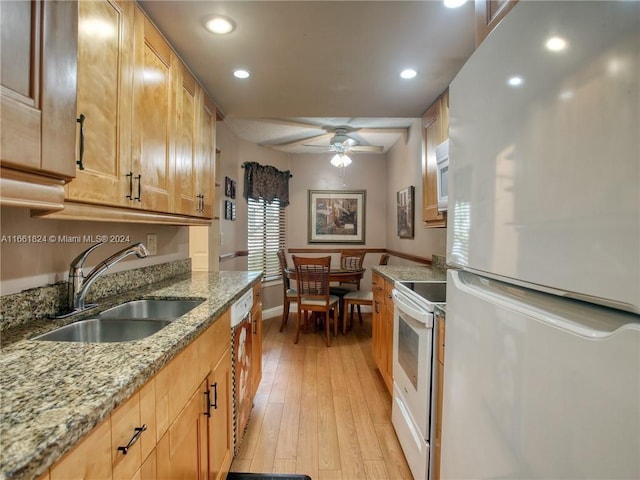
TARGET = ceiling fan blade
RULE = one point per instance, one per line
(295, 143)
(367, 148)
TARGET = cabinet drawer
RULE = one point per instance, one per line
(124, 422)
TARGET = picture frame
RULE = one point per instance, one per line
(337, 216)
(228, 210)
(227, 187)
(406, 212)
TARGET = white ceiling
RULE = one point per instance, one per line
(320, 63)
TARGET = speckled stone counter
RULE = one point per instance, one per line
(397, 272)
(54, 393)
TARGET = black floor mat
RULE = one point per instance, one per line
(265, 476)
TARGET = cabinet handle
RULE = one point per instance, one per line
(208, 395)
(201, 203)
(139, 178)
(130, 176)
(215, 395)
(80, 120)
(376, 305)
(134, 439)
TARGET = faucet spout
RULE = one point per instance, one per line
(79, 285)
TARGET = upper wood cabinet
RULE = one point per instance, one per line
(488, 15)
(105, 82)
(435, 123)
(206, 159)
(38, 60)
(153, 110)
(148, 128)
(188, 99)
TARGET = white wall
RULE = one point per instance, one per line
(404, 169)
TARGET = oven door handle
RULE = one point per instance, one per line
(411, 308)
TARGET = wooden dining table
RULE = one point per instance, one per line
(335, 275)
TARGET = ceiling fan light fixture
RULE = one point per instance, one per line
(340, 160)
(220, 25)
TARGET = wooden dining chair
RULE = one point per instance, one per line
(349, 260)
(312, 280)
(289, 295)
(357, 298)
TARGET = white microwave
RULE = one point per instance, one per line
(442, 159)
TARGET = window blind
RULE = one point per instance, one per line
(266, 235)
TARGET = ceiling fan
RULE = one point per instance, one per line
(338, 138)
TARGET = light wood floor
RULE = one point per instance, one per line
(319, 411)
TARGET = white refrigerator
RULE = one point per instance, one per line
(542, 347)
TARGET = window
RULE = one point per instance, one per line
(266, 232)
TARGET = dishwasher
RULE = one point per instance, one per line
(241, 365)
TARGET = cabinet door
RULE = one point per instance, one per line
(152, 114)
(38, 92)
(105, 75)
(488, 14)
(256, 340)
(206, 158)
(220, 423)
(178, 453)
(90, 459)
(436, 130)
(377, 339)
(187, 106)
(388, 337)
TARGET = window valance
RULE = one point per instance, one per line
(266, 182)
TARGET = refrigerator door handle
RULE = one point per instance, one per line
(525, 303)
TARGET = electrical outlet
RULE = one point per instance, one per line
(152, 243)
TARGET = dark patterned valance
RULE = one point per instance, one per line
(266, 182)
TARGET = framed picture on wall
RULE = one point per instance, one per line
(406, 212)
(336, 216)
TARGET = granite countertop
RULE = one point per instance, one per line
(413, 273)
(54, 393)
(422, 273)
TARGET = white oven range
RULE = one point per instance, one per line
(413, 369)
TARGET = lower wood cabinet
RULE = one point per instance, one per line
(256, 340)
(176, 426)
(181, 452)
(382, 331)
(220, 420)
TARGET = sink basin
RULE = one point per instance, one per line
(104, 330)
(151, 309)
(123, 323)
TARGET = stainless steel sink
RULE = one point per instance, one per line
(130, 321)
(104, 330)
(151, 309)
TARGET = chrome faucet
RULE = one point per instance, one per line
(78, 284)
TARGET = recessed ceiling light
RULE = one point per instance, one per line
(241, 73)
(454, 3)
(515, 81)
(556, 44)
(220, 25)
(408, 73)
